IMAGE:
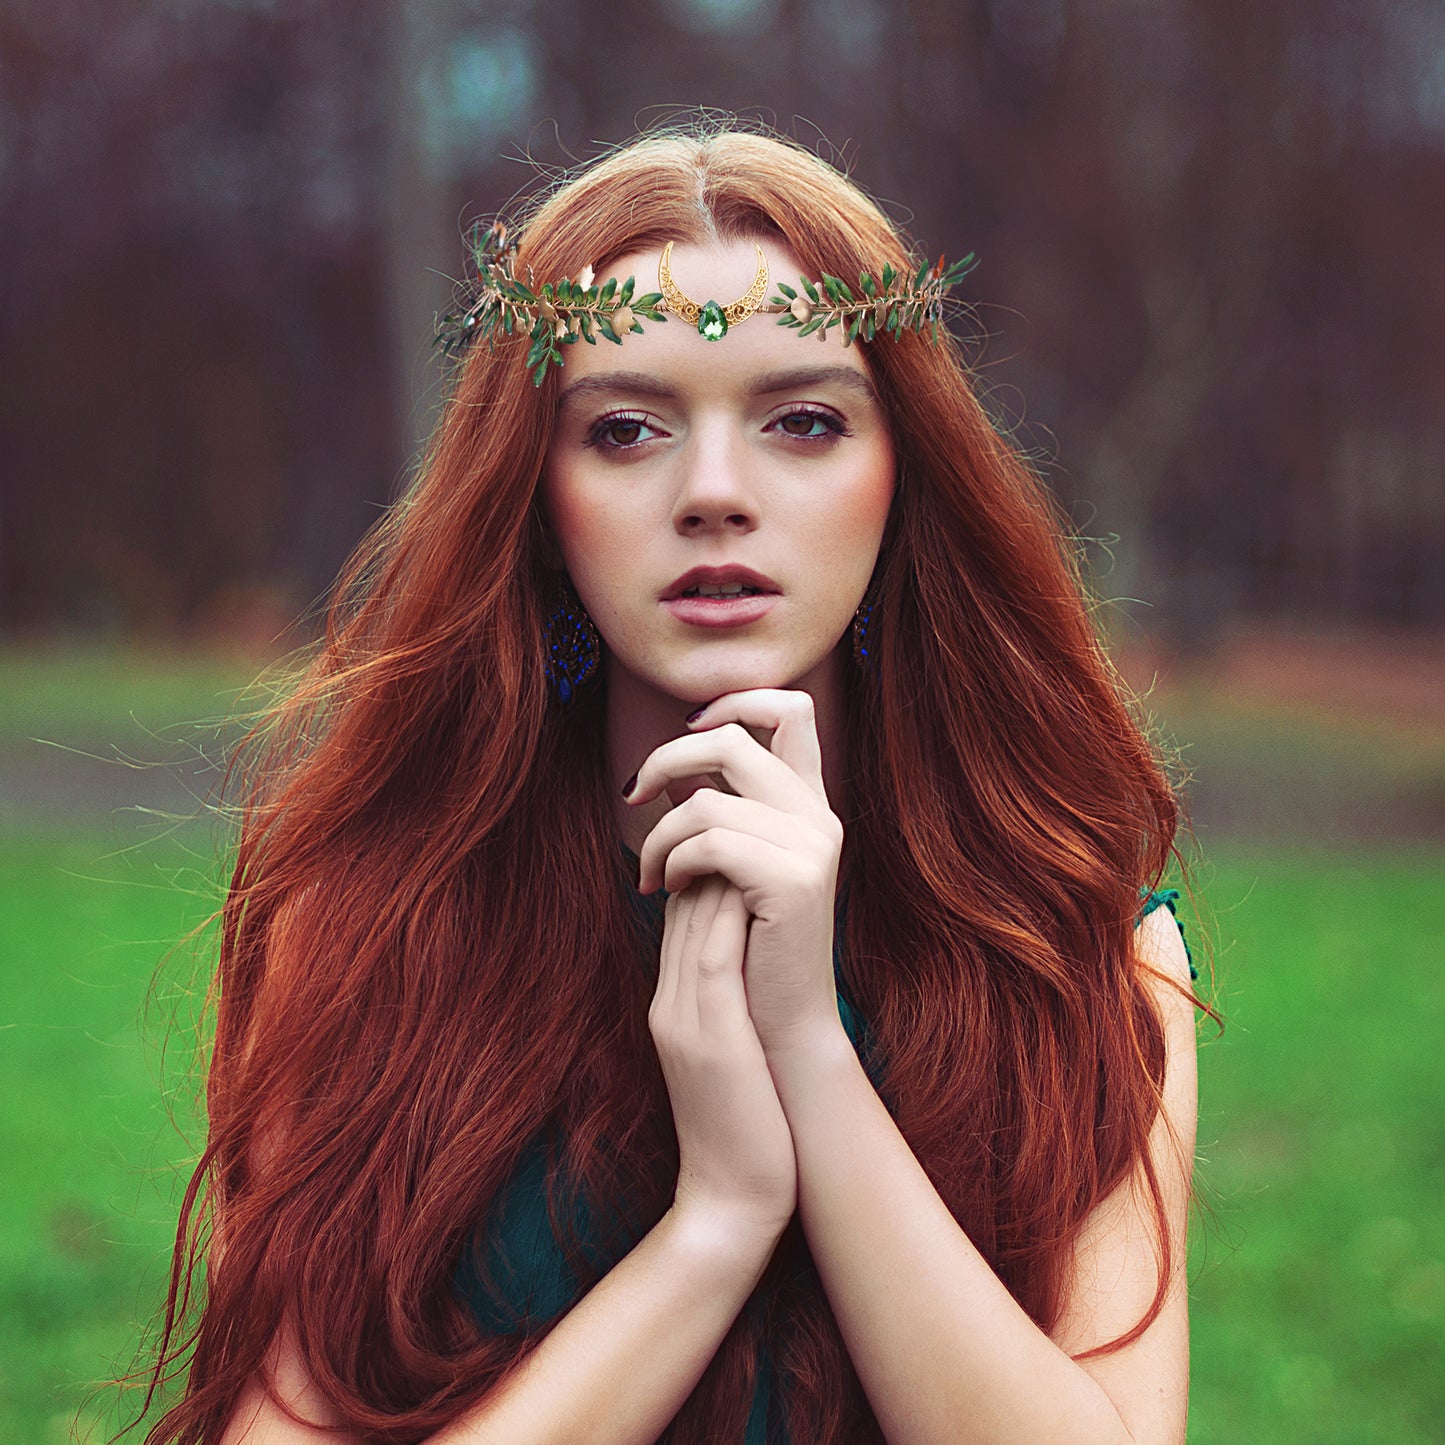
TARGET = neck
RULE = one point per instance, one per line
(641, 718)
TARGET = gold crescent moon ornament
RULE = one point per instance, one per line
(711, 319)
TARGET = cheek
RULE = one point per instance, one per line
(590, 530)
(853, 522)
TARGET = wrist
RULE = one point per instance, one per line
(815, 1028)
(810, 1054)
(725, 1232)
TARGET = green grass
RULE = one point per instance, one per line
(1319, 1281)
(1318, 1263)
(91, 1150)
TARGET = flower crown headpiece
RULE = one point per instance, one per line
(559, 314)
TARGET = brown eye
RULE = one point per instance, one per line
(619, 433)
(811, 425)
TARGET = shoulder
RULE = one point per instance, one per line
(1159, 937)
(1134, 1233)
(1169, 974)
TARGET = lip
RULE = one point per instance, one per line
(721, 611)
(719, 577)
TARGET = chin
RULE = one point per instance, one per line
(699, 685)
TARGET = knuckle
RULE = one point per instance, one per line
(831, 827)
(714, 964)
(812, 875)
(702, 805)
(693, 855)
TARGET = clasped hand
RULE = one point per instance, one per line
(746, 966)
(774, 838)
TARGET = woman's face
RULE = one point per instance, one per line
(763, 450)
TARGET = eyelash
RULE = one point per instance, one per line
(835, 425)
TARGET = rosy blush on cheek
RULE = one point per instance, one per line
(855, 515)
(595, 534)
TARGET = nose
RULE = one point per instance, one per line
(714, 491)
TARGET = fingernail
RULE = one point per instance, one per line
(629, 785)
(692, 717)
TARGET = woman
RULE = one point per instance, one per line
(651, 1014)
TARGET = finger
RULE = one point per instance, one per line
(677, 920)
(679, 790)
(788, 714)
(707, 808)
(665, 995)
(755, 865)
(722, 1000)
(745, 764)
(692, 936)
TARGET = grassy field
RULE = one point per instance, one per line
(90, 1146)
(1318, 1260)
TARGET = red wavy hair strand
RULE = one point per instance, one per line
(427, 951)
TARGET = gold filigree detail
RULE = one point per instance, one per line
(689, 310)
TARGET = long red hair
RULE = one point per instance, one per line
(428, 954)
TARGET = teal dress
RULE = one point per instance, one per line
(523, 1280)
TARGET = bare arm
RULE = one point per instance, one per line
(619, 1365)
(943, 1350)
(616, 1368)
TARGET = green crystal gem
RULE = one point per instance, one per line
(711, 323)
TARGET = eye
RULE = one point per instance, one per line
(618, 431)
(808, 423)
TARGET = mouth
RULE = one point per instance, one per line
(726, 582)
(722, 596)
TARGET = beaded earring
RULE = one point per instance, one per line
(573, 646)
(862, 620)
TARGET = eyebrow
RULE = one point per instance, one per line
(768, 384)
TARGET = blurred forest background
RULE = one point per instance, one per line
(1210, 306)
(1209, 238)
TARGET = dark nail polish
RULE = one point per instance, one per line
(693, 716)
(629, 785)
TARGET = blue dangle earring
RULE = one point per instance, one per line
(573, 647)
(864, 652)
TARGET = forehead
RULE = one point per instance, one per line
(753, 350)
